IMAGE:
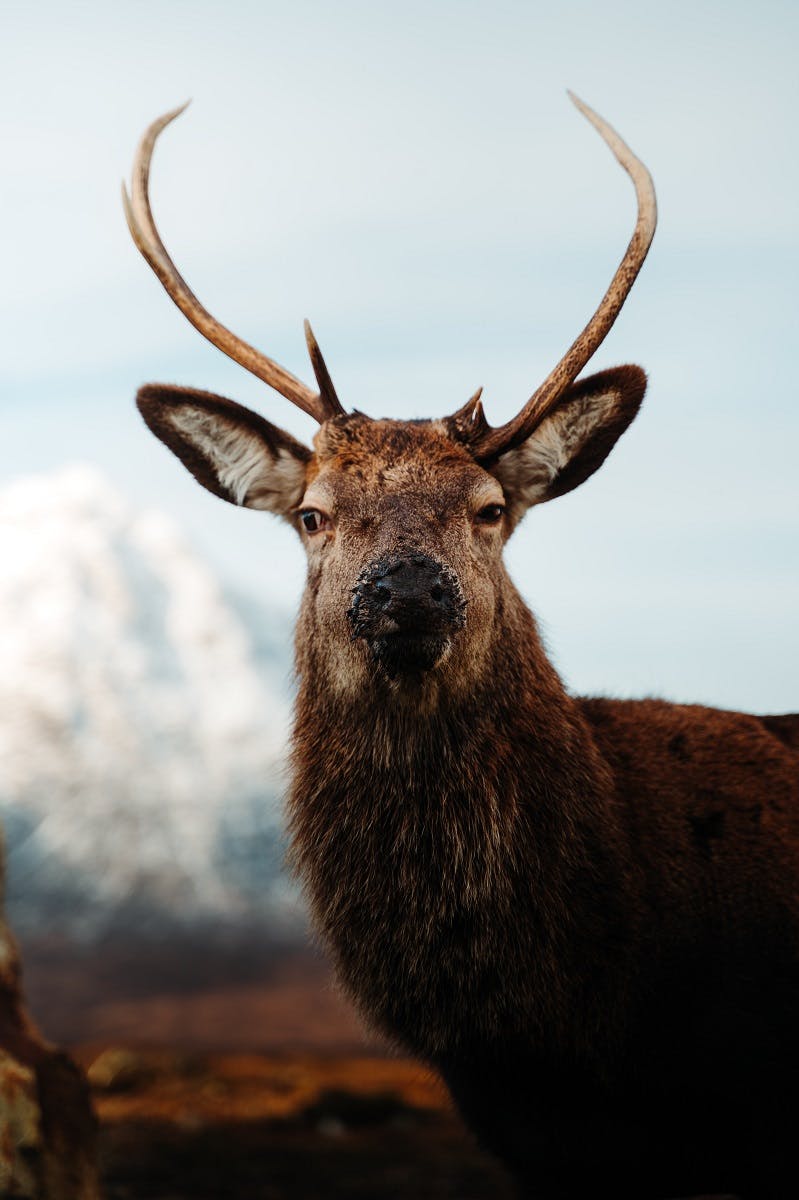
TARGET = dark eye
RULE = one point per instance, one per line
(313, 520)
(491, 514)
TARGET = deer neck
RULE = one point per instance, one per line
(432, 840)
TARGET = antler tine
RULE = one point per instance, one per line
(490, 442)
(469, 423)
(327, 392)
(145, 234)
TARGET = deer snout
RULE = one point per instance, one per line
(407, 607)
(407, 593)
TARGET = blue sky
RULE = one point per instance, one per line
(413, 179)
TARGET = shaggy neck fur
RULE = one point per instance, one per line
(463, 862)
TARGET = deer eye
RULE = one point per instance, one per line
(314, 521)
(492, 514)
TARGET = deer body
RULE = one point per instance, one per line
(583, 913)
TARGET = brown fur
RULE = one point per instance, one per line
(584, 912)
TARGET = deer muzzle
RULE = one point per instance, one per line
(407, 608)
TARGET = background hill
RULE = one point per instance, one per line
(143, 723)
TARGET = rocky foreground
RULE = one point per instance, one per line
(255, 1127)
(47, 1128)
(212, 1080)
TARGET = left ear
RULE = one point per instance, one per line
(573, 441)
(230, 450)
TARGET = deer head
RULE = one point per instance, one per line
(403, 522)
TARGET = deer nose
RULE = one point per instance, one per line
(415, 581)
(411, 590)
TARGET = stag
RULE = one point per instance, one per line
(583, 913)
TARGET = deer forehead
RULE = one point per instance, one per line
(360, 462)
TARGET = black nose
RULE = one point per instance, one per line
(407, 608)
(416, 582)
(413, 591)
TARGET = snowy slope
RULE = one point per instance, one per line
(140, 736)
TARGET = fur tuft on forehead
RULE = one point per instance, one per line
(354, 441)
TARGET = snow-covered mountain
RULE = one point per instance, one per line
(141, 735)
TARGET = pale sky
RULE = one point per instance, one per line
(413, 178)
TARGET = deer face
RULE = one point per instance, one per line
(403, 532)
(403, 522)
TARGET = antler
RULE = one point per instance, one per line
(469, 422)
(321, 406)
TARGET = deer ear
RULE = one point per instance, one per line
(573, 441)
(230, 450)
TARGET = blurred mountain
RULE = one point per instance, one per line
(143, 723)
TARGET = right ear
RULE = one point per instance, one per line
(572, 441)
(230, 450)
